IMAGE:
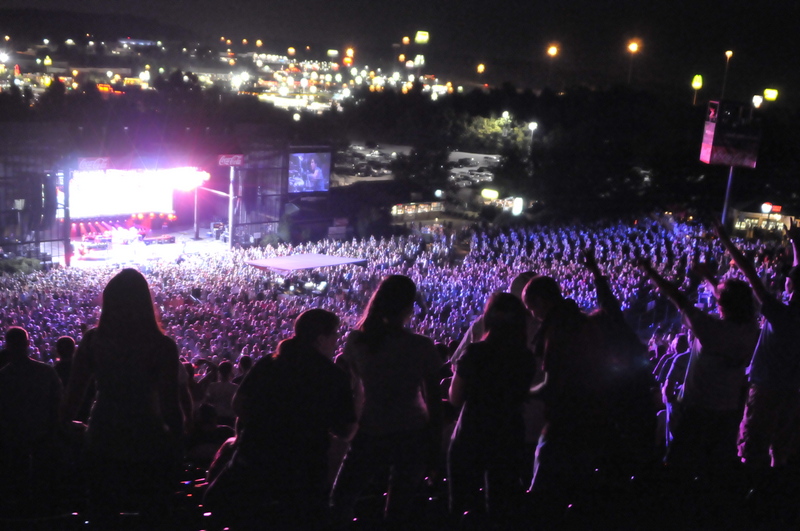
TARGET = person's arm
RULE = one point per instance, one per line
(169, 390)
(346, 425)
(56, 395)
(346, 432)
(703, 272)
(241, 399)
(667, 288)
(433, 402)
(471, 336)
(79, 378)
(457, 392)
(794, 237)
(605, 296)
(747, 267)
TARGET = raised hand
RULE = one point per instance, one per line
(589, 261)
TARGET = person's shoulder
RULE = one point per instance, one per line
(43, 368)
(168, 341)
(88, 336)
(354, 335)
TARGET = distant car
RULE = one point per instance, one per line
(463, 182)
(364, 170)
(466, 161)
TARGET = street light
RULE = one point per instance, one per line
(552, 52)
(770, 94)
(697, 84)
(728, 56)
(633, 48)
(532, 126)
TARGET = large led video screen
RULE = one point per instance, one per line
(102, 193)
(309, 172)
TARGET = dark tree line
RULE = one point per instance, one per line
(593, 151)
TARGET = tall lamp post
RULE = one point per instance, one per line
(697, 84)
(728, 56)
(552, 52)
(633, 49)
(532, 127)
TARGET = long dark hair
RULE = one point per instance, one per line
(505, 320)
(387, 309)
(128, 310)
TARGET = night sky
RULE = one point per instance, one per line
(679, 37)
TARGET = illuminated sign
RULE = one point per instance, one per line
(93, 163)
(230, 160)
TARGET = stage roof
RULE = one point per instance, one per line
(285, 264)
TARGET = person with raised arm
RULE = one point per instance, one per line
(768, 432)
(709, 403)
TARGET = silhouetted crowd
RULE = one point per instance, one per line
(606, 376)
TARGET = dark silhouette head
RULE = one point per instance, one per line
(505, 319)
(314, 329)
(391, 304)
(128, 308)
(65, 347)
(389, 308)
(313, 323)
(17, 342)
(520, 281)
(541, 294)
(736, 301)
(225, 370)
(245, 362)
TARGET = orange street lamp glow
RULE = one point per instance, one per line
(350, 52)
(552, 51)
(728, 55)
(633, 48)
(481, 68)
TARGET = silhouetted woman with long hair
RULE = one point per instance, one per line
(400, 423)
(491, 384)
(136, 422)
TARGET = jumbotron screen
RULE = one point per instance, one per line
(309, 172)
(102, 193)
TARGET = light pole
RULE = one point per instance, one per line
(633, 48)
(728, 56)
(552, 52)
(532, 126)
(697, 84)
